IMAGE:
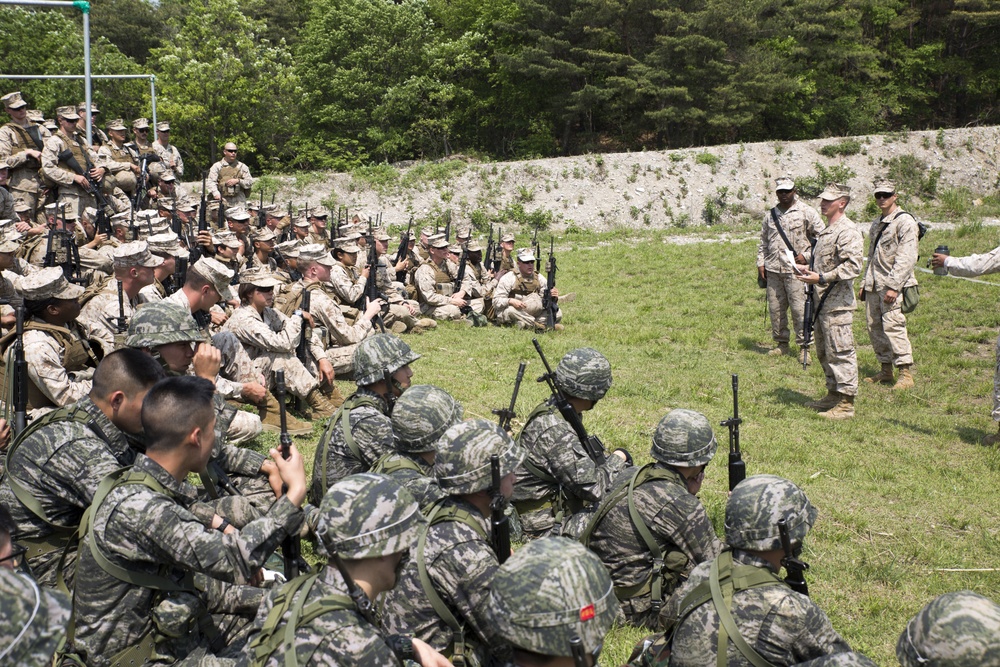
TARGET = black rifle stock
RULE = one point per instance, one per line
(737, 468)
(389, 397)
(302, 350)
(403, 250)
(793, 566)
(460, 278)
(358, 596)
(371, 293)
(179, 276)
(291, 546)
(536, 250)
(488, 256)
(808, 316)
(507, 414)
(499, 521)
(593, 444)
(20, 389)
(50, 251)
(549, 305)
(122, 324)
(447, 225)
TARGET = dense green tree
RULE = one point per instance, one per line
(134, 26)
(218, 81)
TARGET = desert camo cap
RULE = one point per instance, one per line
(507, 238)
(22, 207)
(289, 249)
(36, 116)
(526, 255)
(237, 214)
(784, 183)
(421, 416)
(9, 240)
(163, 126)
(834, 191)
(13, 100)
(67, 112)
(47, 283)
(474, 246)
(464, 233)
(162, 323)
(263, 234)
(884, 185)
(380, 352)
(135, 253)
(584, 373)
(117, 124)
(684, 438)
(755, 506)
(217, 273)
(367, 516)
(437, 241)
(316, 252)
(462, 462)
(552, 590)
(226, 238)
(348, 246)
(167, 244)
(259, 278)
(960, 629)
(381, 235)
(319, 212)
(140, 123)
(82, 107)
(455, 249)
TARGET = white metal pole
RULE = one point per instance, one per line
(152, 96)
(84, 7)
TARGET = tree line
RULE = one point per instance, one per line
(310, 84)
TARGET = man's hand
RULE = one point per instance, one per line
(937, 260)
(4, 434)
(890, 297)
(373, 309)
(800, 259)
(365, 272)
(207, 361)
(293, 474)
(233, 181)
(410, 307)
(97, 241)
(517, 303)
(762, 272)
(308, 318)
(254, 392)
(273, 476)
(326, 372)
(218, 318)
(806, 276)
(555, 293)
(205, 239)
(427, 656)
(457, 301)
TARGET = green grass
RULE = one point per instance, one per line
(903, 490)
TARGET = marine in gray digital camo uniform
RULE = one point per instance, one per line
(960, 629)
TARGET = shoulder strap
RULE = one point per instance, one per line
(142, 579)
(781, 231)
(394, 462)
(343, 418)
(439, 514)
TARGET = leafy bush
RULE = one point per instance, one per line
(912, 175)
(811, 186)
(379, 177)
(710, 159)
(845, 147)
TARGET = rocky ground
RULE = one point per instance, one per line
(678, 188)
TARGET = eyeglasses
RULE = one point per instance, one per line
(16, 556)
(141, 130)
(229, 151)
(783, 192)
(884, 195)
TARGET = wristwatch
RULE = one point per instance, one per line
(402, 647)
(822, 280)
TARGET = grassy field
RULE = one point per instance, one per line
(905, 490)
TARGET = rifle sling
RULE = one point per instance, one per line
(781, 231)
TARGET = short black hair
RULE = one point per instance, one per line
(127, 370)
(175, 406)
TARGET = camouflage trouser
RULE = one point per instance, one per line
(835, 350)
(784, 292)
(478, 305)
(75, 200)
(26, 197)
(125, 180)
(446, 312)
(342, 360)
(236, 363)
(527, 318)
(245, 426)
(297, 379)
(887, 330)
(400, 313)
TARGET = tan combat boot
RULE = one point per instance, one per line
(319, 406)
(992, 440)
(782, 349)
(398, 327)
(884, 376)
(842, 410)
(427, 323)
(825, 403)
(905, 380)
(270, 417)
(333, 395)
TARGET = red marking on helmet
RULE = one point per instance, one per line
(587, 613)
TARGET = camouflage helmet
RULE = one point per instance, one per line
(584, 373)
(161, 323)
(366, 516)
(960, 629)
(755, 506)
(421, 416)
(684, 438)
(552, 590)
(377, 353)
(462, 463)
(842, 659)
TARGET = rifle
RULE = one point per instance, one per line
(403, 250)
(175, 222)
(507, 415)
(460, 278)
(142, 181)
(179, 276)
(593, 444)
(390, 398)
(358, 596)
(536, 250)
(499, 521)
(496, 258)
(793, 566)
(291, 546)
(549, 304)
(20, 389)
(303, 348)
(50, 252)
(808, 318)
(261, 215)
(220, 218)
(447, 225)
(737, 468)
(371, 293)
(122, 324)
(489, 248)
(577, 651)
(131, 225)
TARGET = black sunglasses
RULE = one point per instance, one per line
(883, 195)
(16, 556)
